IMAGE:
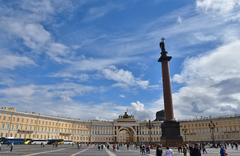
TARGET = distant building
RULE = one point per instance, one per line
(125, 129)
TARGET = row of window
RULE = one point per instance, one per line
(6, 126)
(11, 118)
(216, 123)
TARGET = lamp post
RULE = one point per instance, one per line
(211, 126)
(150, 126)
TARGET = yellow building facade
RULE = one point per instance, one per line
(125, 129)
(36, 126)
(211, 129)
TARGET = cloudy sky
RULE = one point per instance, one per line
(95, 59)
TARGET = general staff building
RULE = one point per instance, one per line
(124, 129)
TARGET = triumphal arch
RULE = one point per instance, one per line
(126, 129)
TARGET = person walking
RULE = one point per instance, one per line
(223, 151)
(143, 150)
(11, 147)
(168, 152)
(184, 149)
(204, 150)
(196, 150)
(190, 150)
(159, 151)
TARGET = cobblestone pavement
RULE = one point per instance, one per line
(68, 150)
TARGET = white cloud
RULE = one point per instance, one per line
(140, 113)
(124, 78)
(196, 29)
(43, 7)
(68, 75)
(215, 66)
(211, 83)
(22, 91)
(138, 106)
(179, 20)
(218, 6)
(96, 64)
(100, 11)
(20, 24)
(33, 34)
(204, 37)
(122, 96)
(9, 61)
(63, 91)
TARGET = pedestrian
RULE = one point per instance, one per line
(196, 150)
(168, 152)
(114, 147)
(143, 150)
(180, 149)
(147, 150)
(236, 146)
(204, 149)
(223, 151)
(11, 147)
(117, 147)
(184, 150)
(159, 151)
(190, 150)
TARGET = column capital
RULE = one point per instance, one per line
(164, 57)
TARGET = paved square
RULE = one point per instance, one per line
(68, 150)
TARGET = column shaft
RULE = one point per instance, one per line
(168, 107)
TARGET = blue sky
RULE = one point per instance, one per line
(95, 59)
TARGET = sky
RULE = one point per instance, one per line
(96, 59)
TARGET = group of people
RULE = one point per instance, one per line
(192, 149)
(144, 149)
(159, 151)
(100, 147)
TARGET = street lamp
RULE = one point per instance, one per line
(150, 126)
(211, 126)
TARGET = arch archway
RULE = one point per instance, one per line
(126, 135)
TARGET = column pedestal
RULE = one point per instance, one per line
(171, 136)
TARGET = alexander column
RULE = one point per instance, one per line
(170, 127)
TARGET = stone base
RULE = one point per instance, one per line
(171, 134)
